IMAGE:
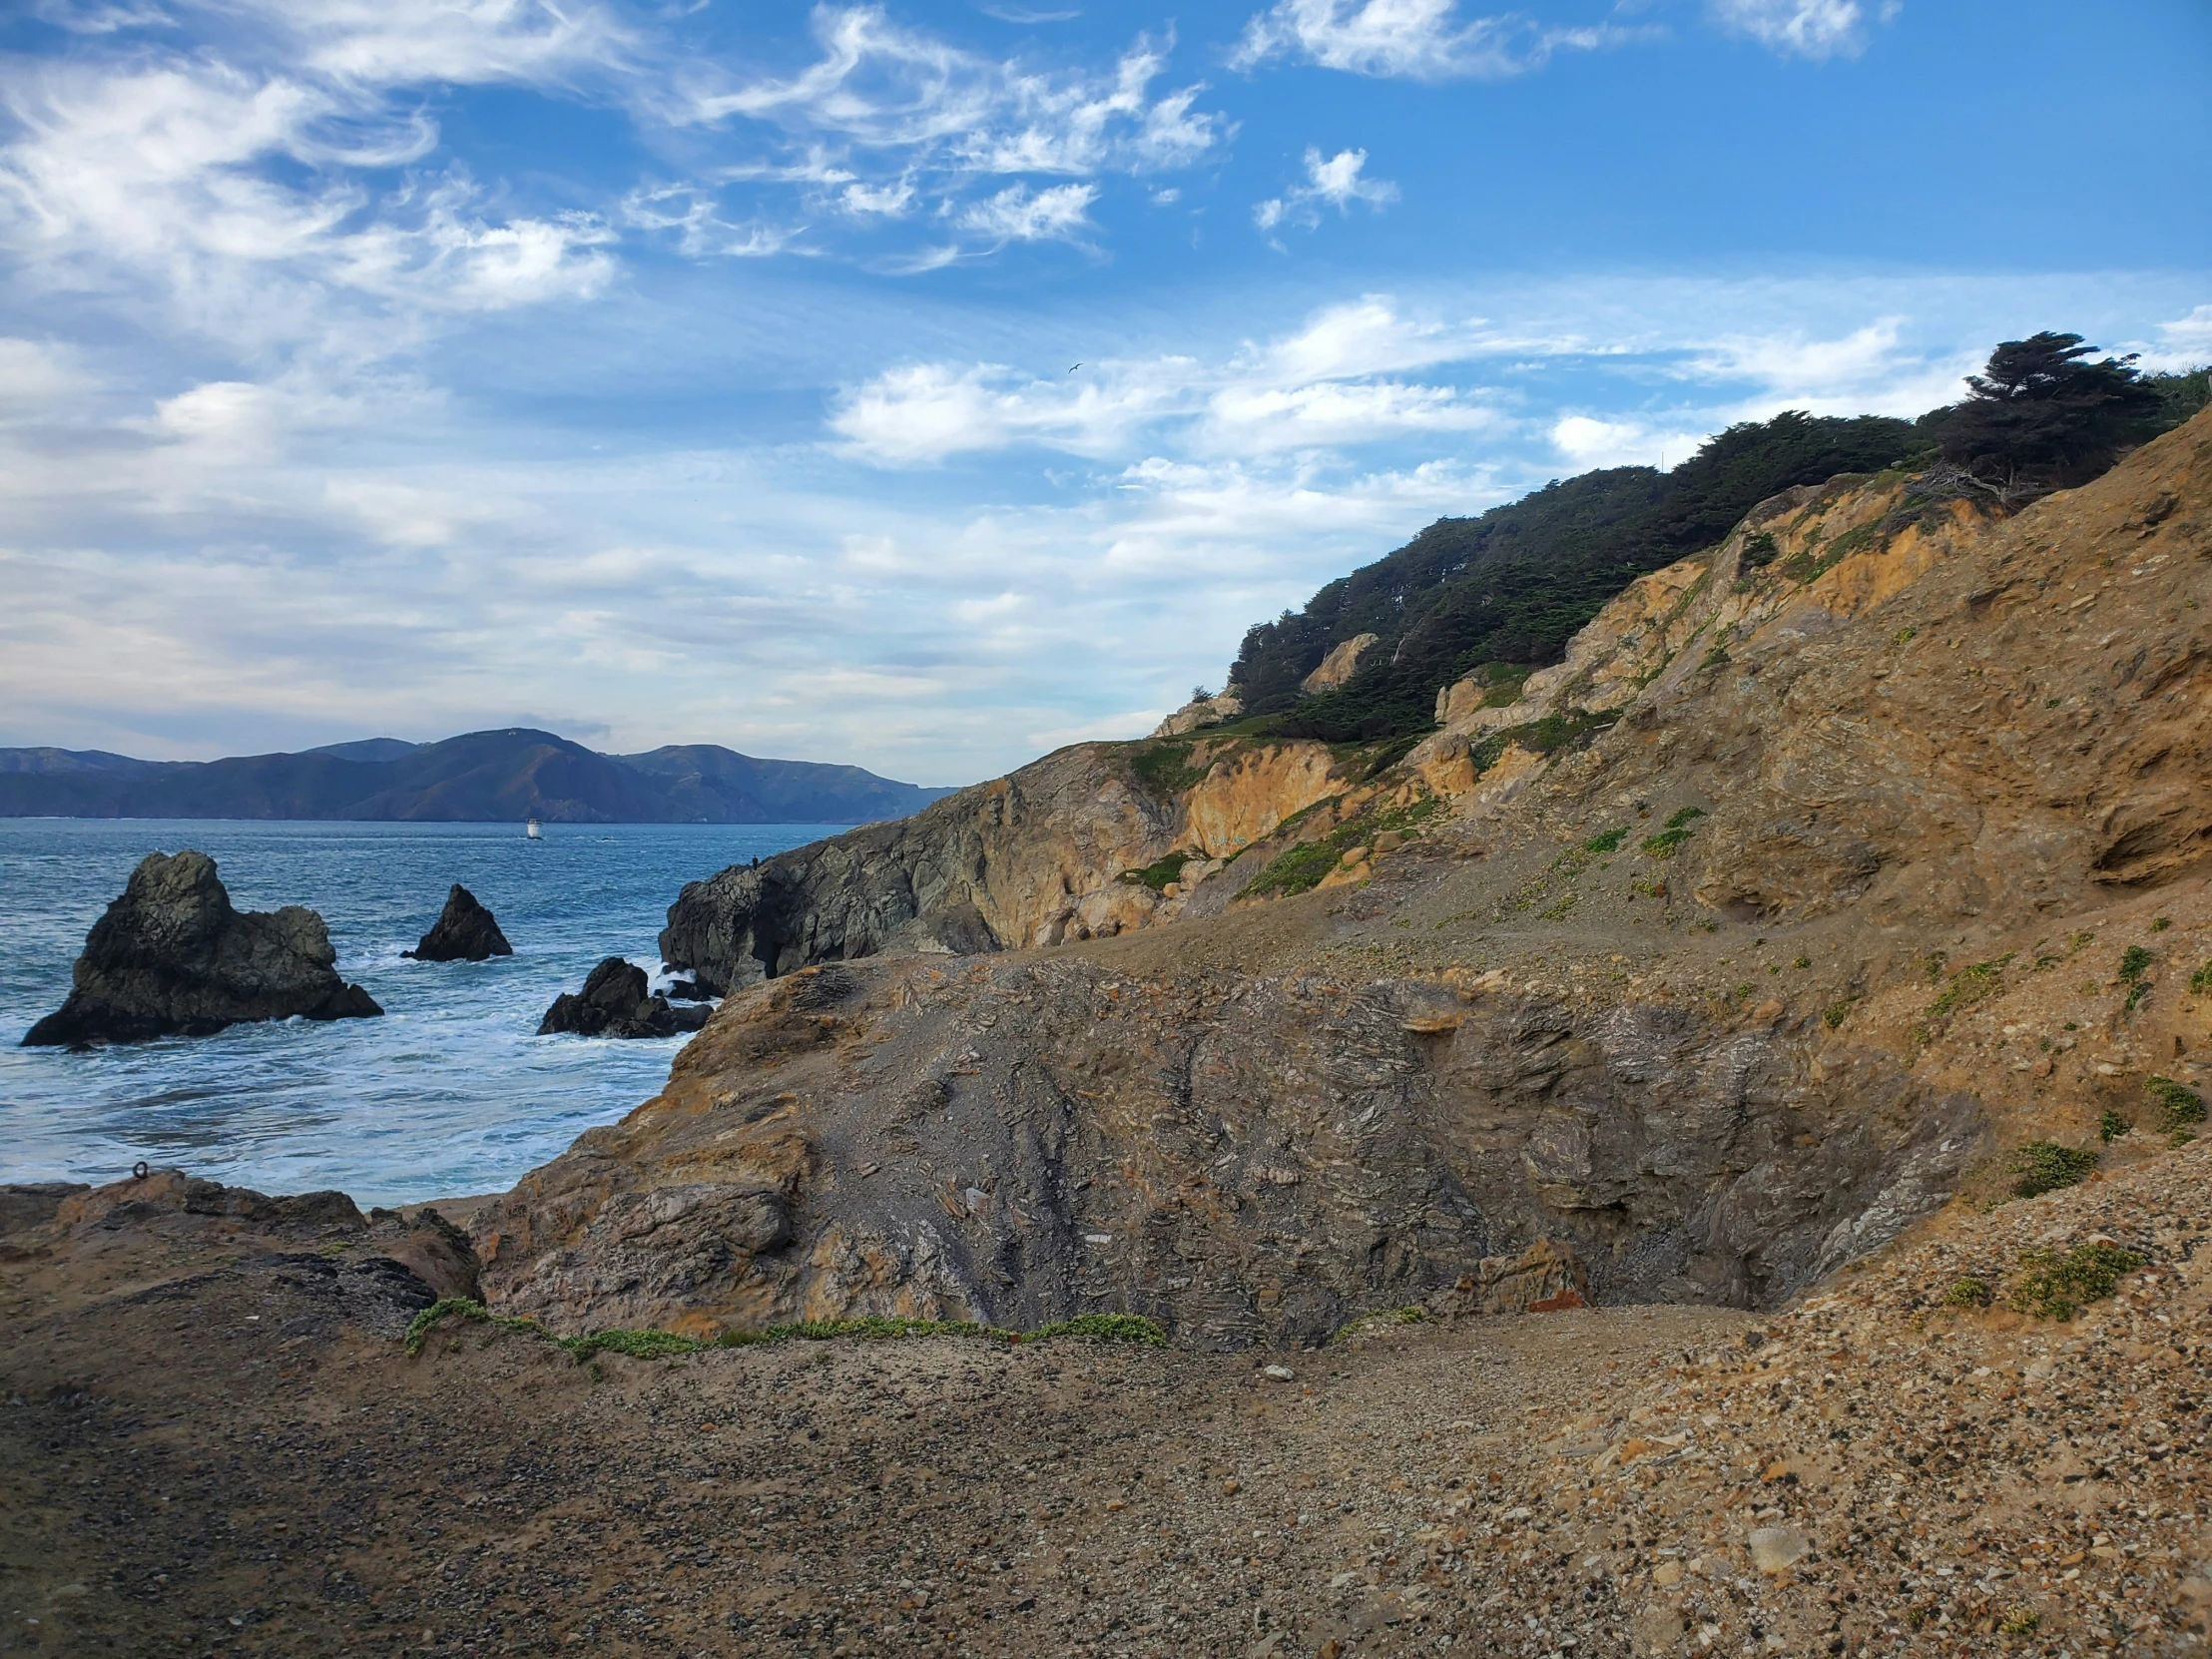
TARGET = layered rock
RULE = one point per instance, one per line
(171, 957)
(464, 932)
(1032, 858)
(615, 1002)
(1886, 863)
(1201, 712)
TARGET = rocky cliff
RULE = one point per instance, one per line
(1068, 847)
(1826, 875)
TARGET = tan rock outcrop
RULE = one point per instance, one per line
(1200, 712)
(1341, 662)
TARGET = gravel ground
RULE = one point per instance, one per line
(208, 1446)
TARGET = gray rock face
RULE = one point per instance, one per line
(614, 1003)
(464, 932)
(171, 957)
(1242, 1158)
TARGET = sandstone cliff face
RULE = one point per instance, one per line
(1341, 662)
(1834, 914)
(1032, 859)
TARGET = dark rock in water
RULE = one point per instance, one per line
(171, 957)
(464, 932)
(614, 1003)
(687, 990)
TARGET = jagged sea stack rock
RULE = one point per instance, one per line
(614, 1003)
(171, 957)
(464, 932)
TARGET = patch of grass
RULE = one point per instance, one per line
(1968, 1292)
(2160, 924)
(1547, 736)
(1904, 635)
(2177, 1103)
(2055, 1286)
(2135, 963)
(2201, 981)
(1557, 911)
(2045, 1166)
(1970, 985)
(1382, 1318)
(2111, 1126)
(1836, 1013)
(1302, 868)
(660, 1344)
(1160, 873)
(1667, 842)
(1684, 815)
(1164, 767)
(1607, 841)
(2021, 1621)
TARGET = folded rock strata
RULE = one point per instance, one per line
(171, 957)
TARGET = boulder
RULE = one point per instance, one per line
(615, 1003)
(171, 957)
(464, 932)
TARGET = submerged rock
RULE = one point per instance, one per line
(171, 957)
(464, 932)
(615, 1003)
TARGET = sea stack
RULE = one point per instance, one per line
(171, 957)
(614, 1003)
(464, 932)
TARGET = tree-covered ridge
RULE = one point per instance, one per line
(1513, 586)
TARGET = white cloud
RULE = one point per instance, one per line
(1803, 28)
(1015, 215)
(1422, 40)
(1332, 181)
(2182, 345)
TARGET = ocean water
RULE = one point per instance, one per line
(448, 1094)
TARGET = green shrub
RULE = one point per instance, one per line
(2045, 1166)
(1542, 737)
(2111, 1126)
(2201, 980)
(1684, 816)
(1607, 841)
(660, 1344)
(2177, 1104)
(1835, 1014)
(1761, 549)
(1967, 1292)
(2054, 1285)
(1159, 873)
(1105, 1328)
(1667, 842)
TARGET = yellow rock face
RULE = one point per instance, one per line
(1339, 666)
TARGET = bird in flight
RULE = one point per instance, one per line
(1072, 370)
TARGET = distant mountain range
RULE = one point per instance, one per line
(482, 776)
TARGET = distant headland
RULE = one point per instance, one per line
(480, 776)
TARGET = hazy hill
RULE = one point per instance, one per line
(506, 775)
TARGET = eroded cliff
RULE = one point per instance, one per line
(1821, 878)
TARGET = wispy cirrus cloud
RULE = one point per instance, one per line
(1330, 182)
(1804, 28)
(1420, 40)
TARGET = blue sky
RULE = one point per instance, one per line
(708, 373)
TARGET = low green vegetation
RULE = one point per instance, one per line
(1968, 1292)
(2055, 1286)
(1302, 868)
(2201, 981)
(1760, 549)
(1381, 1319)
(1164, 764)
(2135, 963)
(1160, 873)
(1683, 815)
(2178, 1105)
(1548, 736)
(660, 1344)
(1607, 841)
(1667, 842)
(2045, 1166)
(2111, 1126)
(1970, 985)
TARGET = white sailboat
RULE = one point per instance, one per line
(534, 831)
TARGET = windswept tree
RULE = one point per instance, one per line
(2047, 413)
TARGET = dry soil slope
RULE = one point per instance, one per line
(1720, 1066)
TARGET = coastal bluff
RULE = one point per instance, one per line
(174, 957)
